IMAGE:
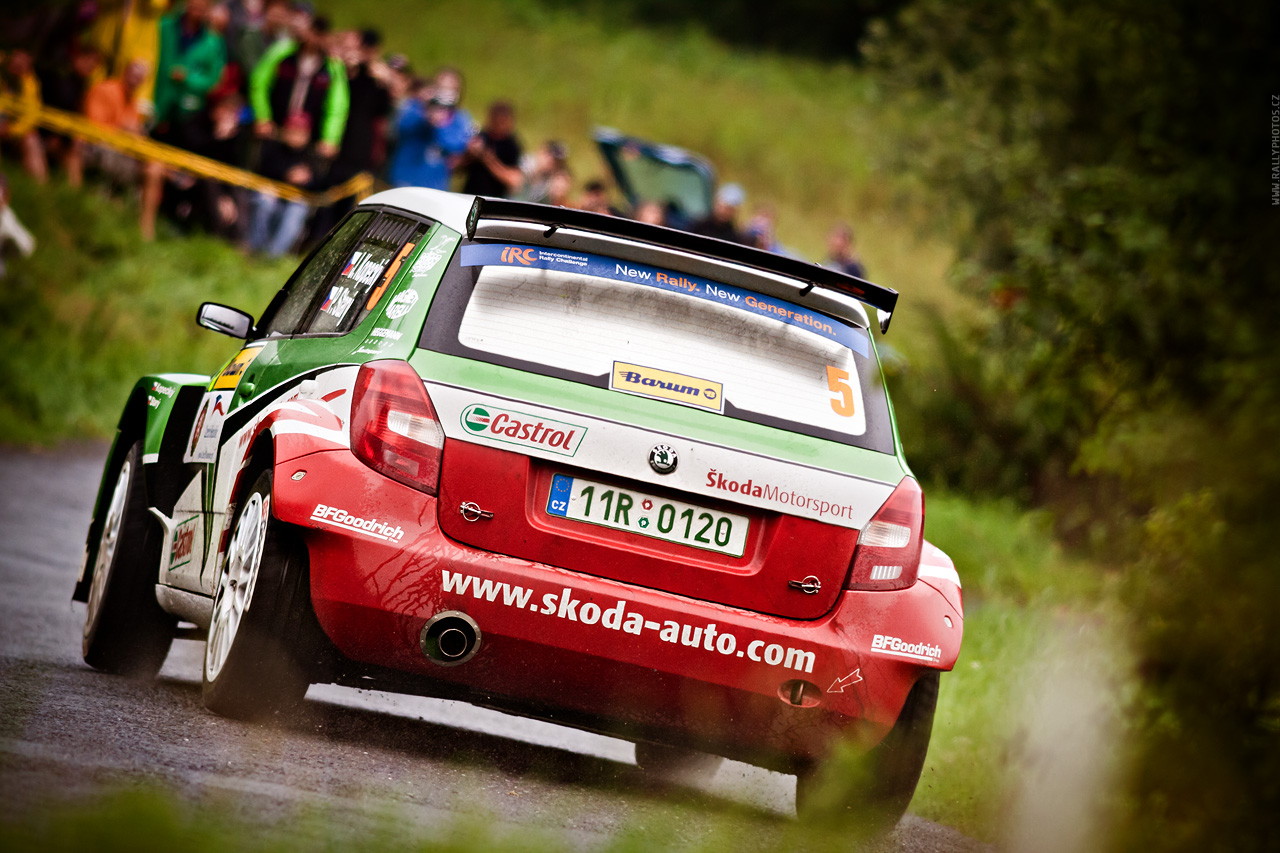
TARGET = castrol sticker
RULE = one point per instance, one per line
(528, 430)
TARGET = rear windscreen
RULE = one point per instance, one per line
(662, 334)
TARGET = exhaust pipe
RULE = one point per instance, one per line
(450, 637)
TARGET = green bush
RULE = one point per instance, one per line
(94, 308)
(1104, 161)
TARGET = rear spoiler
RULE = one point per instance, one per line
(554, 218)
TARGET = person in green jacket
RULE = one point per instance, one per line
(301, 77)
(192, 56)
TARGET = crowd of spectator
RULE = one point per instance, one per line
(269, 86)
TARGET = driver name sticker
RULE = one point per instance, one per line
(202, 446)
(230, 375)
(402, 304)
(363, 268)
(338, 302)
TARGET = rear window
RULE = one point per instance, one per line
(662, 334)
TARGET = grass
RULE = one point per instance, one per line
(94, 308)
(1020, 587)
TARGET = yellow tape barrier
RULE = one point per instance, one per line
(145, 148)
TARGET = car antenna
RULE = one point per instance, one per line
(551, 229)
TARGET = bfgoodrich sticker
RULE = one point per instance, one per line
(886, 645)
(522, 428)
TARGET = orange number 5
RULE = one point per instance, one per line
(838, 380)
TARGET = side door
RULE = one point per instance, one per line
(303, 348)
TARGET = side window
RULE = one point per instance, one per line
(294, 305)
(364, 274)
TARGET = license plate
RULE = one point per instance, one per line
(658, 518)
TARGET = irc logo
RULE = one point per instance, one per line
(513, 255)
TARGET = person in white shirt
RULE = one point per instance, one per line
(11, 230)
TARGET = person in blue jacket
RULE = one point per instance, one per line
(432, 133)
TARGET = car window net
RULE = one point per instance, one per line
(304, 288)
(365, 272)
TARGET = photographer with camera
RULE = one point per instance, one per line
(432, 134)
(492, 161)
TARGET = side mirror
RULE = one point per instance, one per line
(225, 320)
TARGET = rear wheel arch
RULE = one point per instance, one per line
(881, 787)
(261, 457)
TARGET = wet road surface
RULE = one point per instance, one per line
(363, 759)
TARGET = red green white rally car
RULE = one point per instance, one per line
(601, 473)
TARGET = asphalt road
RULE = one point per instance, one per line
(367, 761)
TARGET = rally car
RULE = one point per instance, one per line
(597, 472)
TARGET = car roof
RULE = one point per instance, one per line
(449, 209)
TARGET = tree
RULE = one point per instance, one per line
(1109, 161)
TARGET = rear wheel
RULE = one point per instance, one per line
(257, 659)
(673, 764)
(125, 631)
(877, 796)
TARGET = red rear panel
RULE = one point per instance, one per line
(515, 489)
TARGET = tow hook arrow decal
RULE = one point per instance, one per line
(840, 684)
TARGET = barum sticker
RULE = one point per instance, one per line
(667, 385)
(230, 375)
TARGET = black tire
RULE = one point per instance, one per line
(263, 665)
(877, 793)
(673, 764)
(125, 631)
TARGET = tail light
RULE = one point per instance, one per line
(394, 427)
(888, 551)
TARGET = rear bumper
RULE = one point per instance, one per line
(601, 654)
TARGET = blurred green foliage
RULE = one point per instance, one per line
(94, 308)
(1107, 167)
(816, 28)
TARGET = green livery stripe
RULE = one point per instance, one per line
(659, 416)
